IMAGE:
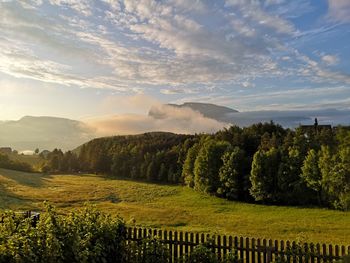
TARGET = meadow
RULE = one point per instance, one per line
(172, 207)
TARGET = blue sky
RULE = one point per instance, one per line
(82, 59)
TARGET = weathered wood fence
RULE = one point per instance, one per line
(247, 250)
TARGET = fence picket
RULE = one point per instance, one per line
(330, 252)
(219, 246)
(343, 251)
(294, 249)
(324, 253)
(247, 250)
(318, 253)
(253, 250)
(281, 253)
(186, 243)
(181, 245)
(275, 252)
(235, 245)
(336, 251)
(230, 244)
(171, 245)
(241, 246)
(259, 250)
(224, 244)
(191, 240)
(175, 246)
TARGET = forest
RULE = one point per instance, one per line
(262, 163)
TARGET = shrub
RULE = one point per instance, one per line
(85, 236)
(202, 253)
(148, 250)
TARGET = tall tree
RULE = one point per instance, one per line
(188, 166)
(263, 176)
(207, 165)
(311, 173)
(232, 174)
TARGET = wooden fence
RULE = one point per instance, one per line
(247, 250)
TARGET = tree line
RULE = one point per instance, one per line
(262, 163)
(7, 163)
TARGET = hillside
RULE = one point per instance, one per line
(208, 110)
(172, 207)
(30, 133)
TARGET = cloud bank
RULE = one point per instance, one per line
(176, 120)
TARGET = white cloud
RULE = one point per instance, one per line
(83, 7)
(339, 10)
(177, 120)
(330, 59)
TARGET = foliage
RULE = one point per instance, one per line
(208, 164)
(232, 175)
(263, 176)
(85, 236)
(202, 253)
(148, 250)
(7, 163)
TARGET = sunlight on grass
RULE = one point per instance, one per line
(172, 207)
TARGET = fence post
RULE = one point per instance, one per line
(330, 252)
(318, 253)
(247, 252)
(191, 240)
(324, 252)
(181, 244)
(230, 243)
(175, 246)
(186, 241)
(264, 249)
(235, 244)
(275, 252)
(224, 244)
(171, 245)
(253, 250)
(219, 246)
(259, 250)
(282, 250)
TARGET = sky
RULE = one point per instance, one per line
(83, 59)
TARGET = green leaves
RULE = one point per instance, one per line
(85, 236)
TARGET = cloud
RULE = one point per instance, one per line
(177, 120)
(131, 46)
(139, 103)
(339, 10)
(330, 60)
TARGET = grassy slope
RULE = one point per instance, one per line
(172, 207)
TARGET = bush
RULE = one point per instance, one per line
(202, 253)
(85, 236)
(148, 250)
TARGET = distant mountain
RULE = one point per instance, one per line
(208, 110)
(48, 133)
(287, 118)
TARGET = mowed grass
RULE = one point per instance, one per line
(172, 207)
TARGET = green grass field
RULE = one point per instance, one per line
(172, 207)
